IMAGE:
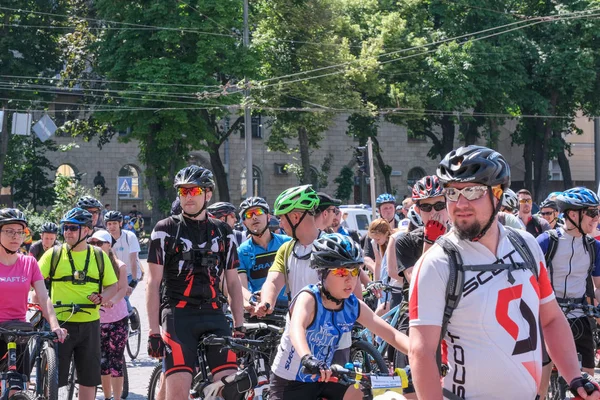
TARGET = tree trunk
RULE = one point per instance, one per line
(303, 144)
(218, 168)
(4, 138)
(544, 159)
(383, 167)
(447, 136)
(157, 191)
(528, 159)
(563, 161)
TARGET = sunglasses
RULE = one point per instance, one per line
(72, 228)
(592, 212)
(525, 201)
(96, 243)
(439, 206)
(470, 193)
(193, 191)
(344, 272)
(255, 212)
(547, 213)
(334, 210)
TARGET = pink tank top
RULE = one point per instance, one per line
(118, 311)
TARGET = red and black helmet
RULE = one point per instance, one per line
(426, 188)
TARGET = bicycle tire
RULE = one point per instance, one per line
(401, 359)
(556, 391)
(371, 360)
(22, 396)
(67, 392)
(154, 382)
(49, 374)
(134, 337)
(125, 391)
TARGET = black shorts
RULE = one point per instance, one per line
(182, 330)
(584, 340)
(282, 389)
(83, 344)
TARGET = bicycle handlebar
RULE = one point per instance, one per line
(75, 308)
(17, 333)
(233, 343)
(263, 326)
(588, 309)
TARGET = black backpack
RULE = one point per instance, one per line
(456, 280)
(590, 245)
(56, 254)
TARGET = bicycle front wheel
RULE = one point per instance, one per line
(155, 381)
(22, 396)
(134, 335)
(368, 357)
(48, 374)
(125, 391)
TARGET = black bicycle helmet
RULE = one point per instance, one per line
(194, 175)
(113, 216)
(12, 216)
(252, 202)
(221, 209)
(335, 250)
(474, 164)
(49, 227)
(87, 202)
(77, 216)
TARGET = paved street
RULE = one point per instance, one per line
(139, 370)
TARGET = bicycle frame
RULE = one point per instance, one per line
(391, 317)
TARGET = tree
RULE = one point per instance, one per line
(156, 76)
(291, 37)
(28, 171)
(28, 52)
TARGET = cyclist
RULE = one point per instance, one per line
(494, 329)
(549, 211)
(570, 270)
(48, 240)
(510, 203)
(257, 254)
(193, 253)
(379, 233)
(225, 212)
(338, 227)
(534, 224)
(114, 329)
(18, 274)
(326, 211)
(77, 278)
(320, 315)
(415, 218)
(94, 207)
(386, 204)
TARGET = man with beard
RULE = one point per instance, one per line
(495, 323)
(534, 224)
(337, 227)
(257, 254)
(326, 211)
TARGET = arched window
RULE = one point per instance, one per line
(256, 182)
(130, 170)
(66, 170)
(414, 175)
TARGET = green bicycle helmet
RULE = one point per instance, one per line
(296, 198)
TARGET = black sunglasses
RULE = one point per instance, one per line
(547, 213)
(72, 228)
(592, 212)
(439, 206)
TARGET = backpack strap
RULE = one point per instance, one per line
(551, 252)
(523, 249)
(287, 252)
(56, 253)
(99, 254)
(590, 244)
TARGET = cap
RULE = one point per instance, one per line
(102, 236)
(326, 201)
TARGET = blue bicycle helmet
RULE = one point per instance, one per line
(77, 216)
(385, 198)
(576, 199)
(553, 195)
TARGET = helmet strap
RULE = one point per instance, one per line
(80, 239)
(492, 217)
(259, 234)
(199, 212)
(326, 293)
(577, 226)
(295, 226)
(9, 252)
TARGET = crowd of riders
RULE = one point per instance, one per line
(483, 270)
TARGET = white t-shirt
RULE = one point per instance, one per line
(493, 341)
(126, 244)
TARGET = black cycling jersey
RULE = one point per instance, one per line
(192, 275)
(409, 248)
(37, 249)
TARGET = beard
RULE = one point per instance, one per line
(469, 232)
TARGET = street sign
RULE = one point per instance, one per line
(125, 184)
(44, 128)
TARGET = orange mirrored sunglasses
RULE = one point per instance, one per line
(193, 191)
(344, 272)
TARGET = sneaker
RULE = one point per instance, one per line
(134, 321)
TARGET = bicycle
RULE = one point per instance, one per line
(396, 317)
(10, 379)
(202, 386)
(559, 387)
(372, 384)
(134, 335)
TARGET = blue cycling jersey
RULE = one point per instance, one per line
(255, 262)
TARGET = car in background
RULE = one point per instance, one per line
(359, 217)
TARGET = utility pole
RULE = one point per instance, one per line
(247, 116)
(371, 176)
(597, 152)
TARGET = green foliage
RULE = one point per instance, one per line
(345, 182)
(28, 171)
(35, 219)
(68, 190)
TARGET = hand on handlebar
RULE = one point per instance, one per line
(262, 309)
(314, 366)
(95, 298)
(376, 288)
(61, 334)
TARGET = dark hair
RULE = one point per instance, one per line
(524, 191)
(114, 262)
